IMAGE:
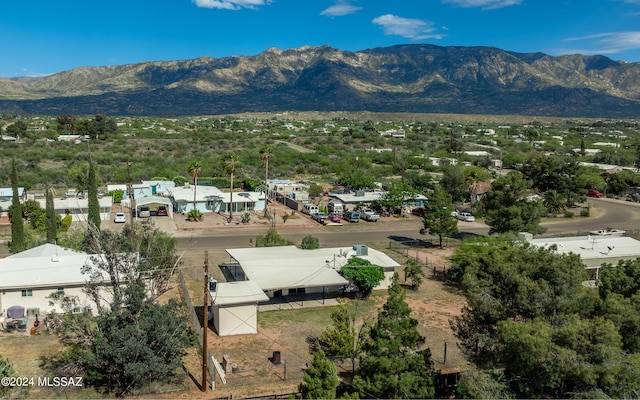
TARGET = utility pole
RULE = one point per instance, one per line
(205, 322)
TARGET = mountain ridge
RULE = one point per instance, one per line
(403, 78)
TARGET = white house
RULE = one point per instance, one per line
(288, 270)
(212, 199)
(79, 208)
(594, 250)
(29, 277)
(234, 306)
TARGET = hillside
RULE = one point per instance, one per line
(404, 78)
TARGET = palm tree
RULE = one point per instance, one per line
(230, 165)
(553, 201)
(194, 169)
(265, 154)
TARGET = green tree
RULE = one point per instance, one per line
(553, 201)
(363, 274)
(52, 218)
(310, 242)
(315, 190)
(67, 122)
(94, 204)
(415, 273)
(15, 213)
(437, 219)
(320, 379)
(133, 340)
(18, 129)
(230, 166)
(272, 239)
(479, 384)
(395, 197)
(344, 338)
(510, 207)
(453, 182)
(394, 365)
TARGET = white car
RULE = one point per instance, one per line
(465, 216)
(120, 218)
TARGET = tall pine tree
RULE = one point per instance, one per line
(18, 242)
(320, 380)
(51, 218)
(393, 366)
(94, 204)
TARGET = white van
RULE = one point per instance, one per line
(335, 207)
(310, 209)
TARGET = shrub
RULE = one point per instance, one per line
(568, 214)
(585, 213)
(195, 215)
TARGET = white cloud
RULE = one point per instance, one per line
(340, 9)
(484, 4)
(231, 4)
(606, 43)
(415, 29)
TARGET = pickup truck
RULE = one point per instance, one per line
(368, 214)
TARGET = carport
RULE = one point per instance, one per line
(154, 201)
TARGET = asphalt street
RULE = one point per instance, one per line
(607, 213)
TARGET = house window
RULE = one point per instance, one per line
(297, 291)
(60, 290)
(27, 293)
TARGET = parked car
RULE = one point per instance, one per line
(335, 217)
(420, 211)
(351, 216)
(594, 193)
(120, 218)
(162, 211)
(144, 212)
(465, 216)
(320, 217)
(368, 214)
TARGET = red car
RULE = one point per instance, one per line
(594, 193)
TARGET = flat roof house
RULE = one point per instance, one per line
(288, 270)
(29, 277)
(594, 250)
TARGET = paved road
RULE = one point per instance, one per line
(609, 213)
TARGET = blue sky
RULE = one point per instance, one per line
(40, 37)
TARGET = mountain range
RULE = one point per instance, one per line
(417, 78)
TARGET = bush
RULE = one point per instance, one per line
(195, 215)
(568, 214)
(246, 217)
(585, 213)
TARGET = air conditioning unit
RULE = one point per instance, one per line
(361, 250)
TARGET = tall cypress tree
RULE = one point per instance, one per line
(94, 204)
(17, 223)
(51, 219)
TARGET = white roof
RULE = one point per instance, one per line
(240, 292)
(282, 267)
(206, 193)
(73, 203)
(42, 266)
(8, 192)
(185, 193)
(593, 247)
